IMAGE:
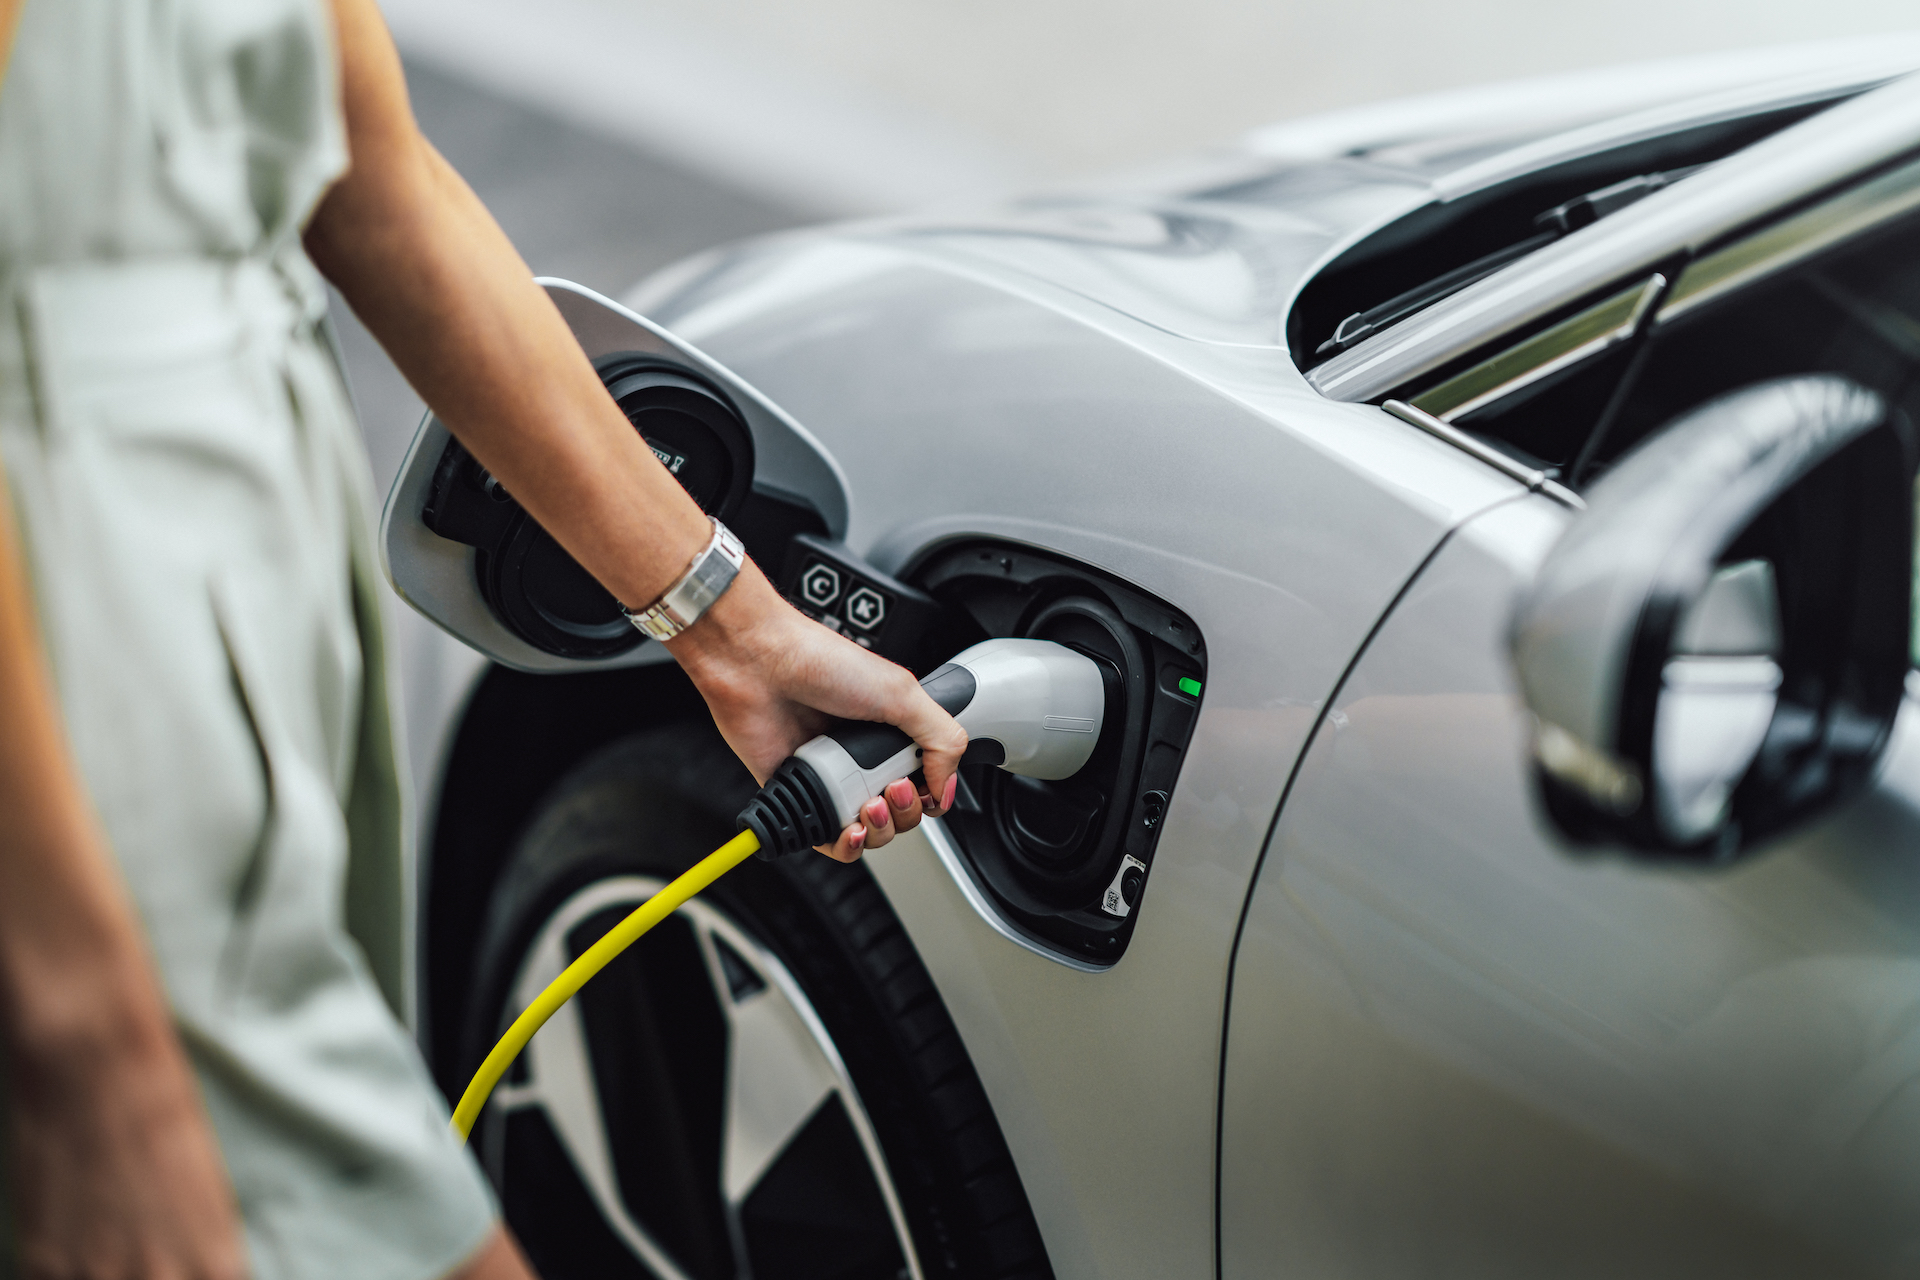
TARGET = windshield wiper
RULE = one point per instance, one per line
(1584, 211)
(1419, 298)
(1561, 220)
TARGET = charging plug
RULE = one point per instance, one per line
(1032, 707)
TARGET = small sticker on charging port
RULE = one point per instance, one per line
(1125, 889)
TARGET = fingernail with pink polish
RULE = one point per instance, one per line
(876, 811)
(946, 797)
(857, 837)
(900, 794)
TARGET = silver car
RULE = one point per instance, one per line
(1502, 857)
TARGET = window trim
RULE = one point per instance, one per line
(1793, 240)
(1535, 481)
(1601, 327)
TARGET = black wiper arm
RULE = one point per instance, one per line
(1562, 219)
(1420, 297)
(1584, 211)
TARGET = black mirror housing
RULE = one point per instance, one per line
(1811, 478)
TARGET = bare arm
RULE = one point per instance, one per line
(114, 1167)
(432, 275)
(9, 20)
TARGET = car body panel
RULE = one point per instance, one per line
(1281, 524)
(1211, 274)
(1657, 1069)
(1218, 256)
(1454, 1046)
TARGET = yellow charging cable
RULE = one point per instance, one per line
(591, 961)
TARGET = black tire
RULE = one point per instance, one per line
(650, 806)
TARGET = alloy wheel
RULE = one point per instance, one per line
(692, 1095)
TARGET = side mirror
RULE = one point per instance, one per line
(1716, 649)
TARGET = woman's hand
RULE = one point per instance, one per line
(773, 678)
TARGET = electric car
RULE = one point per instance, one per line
(1493, 518)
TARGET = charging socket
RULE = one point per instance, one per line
(1068, 862)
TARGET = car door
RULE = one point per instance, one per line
(1462, 1043)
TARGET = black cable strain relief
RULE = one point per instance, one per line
(791, 813)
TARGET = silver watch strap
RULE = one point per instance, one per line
(705, 581)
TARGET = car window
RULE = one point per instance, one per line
(1852, 308)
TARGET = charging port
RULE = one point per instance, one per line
(527, 579)
(1068, 862)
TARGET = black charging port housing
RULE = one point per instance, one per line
(836, 588)
(527, 579)
(534, 587)
(1049, 853)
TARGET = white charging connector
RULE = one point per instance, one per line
(1032, 707)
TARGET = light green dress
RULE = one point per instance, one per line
(197, 513)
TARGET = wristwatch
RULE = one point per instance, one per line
(705, 581)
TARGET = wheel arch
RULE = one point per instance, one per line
(517, 737)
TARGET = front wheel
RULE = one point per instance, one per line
(766, 1086)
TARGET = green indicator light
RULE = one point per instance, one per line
(1190, 686)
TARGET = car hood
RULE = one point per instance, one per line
(1215, 247)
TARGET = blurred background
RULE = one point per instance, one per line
(612, 137)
